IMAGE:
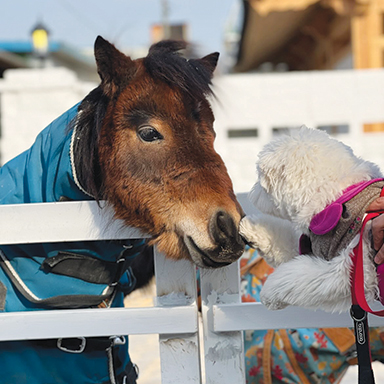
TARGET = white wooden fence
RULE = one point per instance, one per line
(174, 318)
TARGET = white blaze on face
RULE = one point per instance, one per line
(198, 231)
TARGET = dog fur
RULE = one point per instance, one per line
(298, 176)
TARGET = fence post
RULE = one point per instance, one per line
(179, 354)
(223, 351)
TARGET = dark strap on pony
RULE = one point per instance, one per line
(62, 301)
(92, 269)
(86, 268)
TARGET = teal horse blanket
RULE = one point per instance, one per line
(66, 275)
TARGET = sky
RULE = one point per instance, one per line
(126, 23)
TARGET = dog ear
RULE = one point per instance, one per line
(262, 200)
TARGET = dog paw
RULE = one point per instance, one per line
(263, 233)
(253, 231)
(272, 302)
(247, 230)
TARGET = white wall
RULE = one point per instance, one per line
(292, 99)
(29, 100)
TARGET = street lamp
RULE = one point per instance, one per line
(40, 41)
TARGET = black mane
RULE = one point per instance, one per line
(165, 62)
(87, 127)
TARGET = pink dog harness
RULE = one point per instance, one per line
(328, 218)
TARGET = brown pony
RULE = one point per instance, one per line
(145, 144)
(142, 141)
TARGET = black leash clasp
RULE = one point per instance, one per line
(360, 322)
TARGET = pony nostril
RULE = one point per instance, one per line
(222, 226)
(224, 223)
(229, 244)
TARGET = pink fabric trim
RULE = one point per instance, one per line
(328, 218)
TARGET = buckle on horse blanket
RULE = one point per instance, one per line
(72, 345)
(78, 344)
(82, 344)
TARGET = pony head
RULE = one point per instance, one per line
(146, 145)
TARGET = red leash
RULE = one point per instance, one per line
(358, 294)
(359, 310)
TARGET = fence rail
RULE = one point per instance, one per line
(224, 317)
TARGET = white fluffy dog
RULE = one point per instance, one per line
(300, 177)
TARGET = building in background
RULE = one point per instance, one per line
(30, 99)
(297, 69)
(39, 80)
(9, 60)
(311, 34)
(169, 32)
(30, 53)
(20, 54)
(252, 109)
(166, 30)
(312, 62)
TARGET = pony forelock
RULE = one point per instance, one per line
(165, 62)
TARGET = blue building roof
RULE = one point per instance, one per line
(25, 46)
(18, 54)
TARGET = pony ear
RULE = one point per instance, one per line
(114, 67)
(210, 62)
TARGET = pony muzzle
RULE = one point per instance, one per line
(227, 244)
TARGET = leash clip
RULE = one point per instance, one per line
(359, 317)
(353, 314)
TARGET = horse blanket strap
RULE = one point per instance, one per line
(56, 301)
(78, 344)
(85, 267)
(93, 269)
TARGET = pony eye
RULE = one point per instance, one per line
(149, 134)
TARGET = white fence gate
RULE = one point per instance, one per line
(174, 318)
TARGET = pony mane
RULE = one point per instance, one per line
(87, 128)
(165, 62)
